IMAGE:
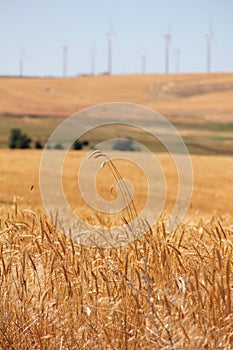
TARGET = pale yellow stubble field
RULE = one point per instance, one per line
(184, 96)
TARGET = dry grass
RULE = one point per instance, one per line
(189, 96)
(161, 292)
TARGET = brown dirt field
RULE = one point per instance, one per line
(212, 190)
(195, 96)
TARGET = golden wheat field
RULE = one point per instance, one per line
(162, 291)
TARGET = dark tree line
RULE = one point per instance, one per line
(18, 139)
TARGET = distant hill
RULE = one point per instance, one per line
(199, 97)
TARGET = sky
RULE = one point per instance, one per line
(35, 31)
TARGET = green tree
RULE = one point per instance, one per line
(18, 139)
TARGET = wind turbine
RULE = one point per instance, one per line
(93, 56)
(209, 37)
(143, 63)
(177, 60)
(21, 61)
(110, 36)
(167, 38)
(64, 59)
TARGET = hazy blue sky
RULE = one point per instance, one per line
(41, 27)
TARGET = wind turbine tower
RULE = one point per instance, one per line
(110, 36)
(209, 37)
(21, 61)
(177, 61)
(143, 63)
(64, 60)
(93, 56)
(167, 37)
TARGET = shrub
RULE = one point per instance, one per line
(78, 145)
(38, 145)
(124, 145)
(58, 146)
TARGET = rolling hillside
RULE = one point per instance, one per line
(193, 96)
(199, 105)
